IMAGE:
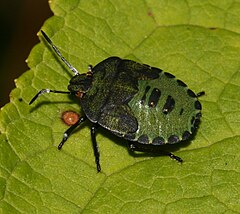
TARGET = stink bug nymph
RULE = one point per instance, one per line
(142, 104)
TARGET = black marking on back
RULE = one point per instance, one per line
(157, 70)
(154, 97)
(186, 135)
(191, 93)
(145, 94)
(181, 83)
(158, 141)
(198, 105)
(169, 105)
(173, 139)
(129, 136)
(181, 111)
(143, 139)
(192, 120)
(198, 115)
(169, 75)
(195, 122)
(193, 129)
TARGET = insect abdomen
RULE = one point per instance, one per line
(166, 110)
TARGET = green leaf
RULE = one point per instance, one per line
(197, 41)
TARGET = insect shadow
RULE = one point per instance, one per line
(154, 151)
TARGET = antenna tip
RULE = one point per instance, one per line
(46, 37)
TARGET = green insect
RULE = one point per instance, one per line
(142, 104)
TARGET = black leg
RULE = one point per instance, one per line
(133, 147)
(95, 146)
(201, 93)
(44, 91)
(70, 130)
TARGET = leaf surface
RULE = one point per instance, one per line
(197, 41)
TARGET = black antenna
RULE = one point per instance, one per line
(74, 70)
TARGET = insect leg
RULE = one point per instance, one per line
(201, 93)
(70, 130)
(90, 69)
(44, 91)
(134, 147)
(95, 146)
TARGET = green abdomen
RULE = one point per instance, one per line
(166, 111)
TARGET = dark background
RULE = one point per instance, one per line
(20, 20)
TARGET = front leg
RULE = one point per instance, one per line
(44, 91)
(70, 130)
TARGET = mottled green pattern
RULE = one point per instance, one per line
(152, 121)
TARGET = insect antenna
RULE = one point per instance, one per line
(74, 70)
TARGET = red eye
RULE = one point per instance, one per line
(79, 94)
